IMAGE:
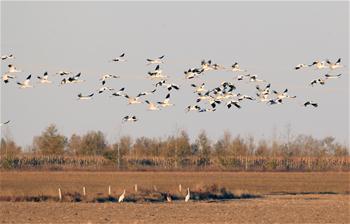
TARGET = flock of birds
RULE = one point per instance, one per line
(207, 99)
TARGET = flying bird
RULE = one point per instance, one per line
(44, 79)
(308, 103)
(130, 118)
(166, 102)
(6, 77)
(334, 65)
(3, 123)
(12, 69)
(121, 58)
(26, 83)
(10, 56)
(155, 61)
(152, 106)
(332, 76)
(86, 97)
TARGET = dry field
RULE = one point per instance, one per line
(286, 197)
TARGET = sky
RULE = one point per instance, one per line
(266, 38)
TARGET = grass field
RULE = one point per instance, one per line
(286, 197)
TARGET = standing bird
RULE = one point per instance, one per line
(25, 84)
(121, 197)
(188, 196)
(44, 79)
(155, 61)
(120, 58)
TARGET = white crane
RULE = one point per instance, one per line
(188, 196)
(121, 197)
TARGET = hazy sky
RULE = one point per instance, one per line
(268, 39)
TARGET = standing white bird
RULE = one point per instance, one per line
(44, 79)
(121, 197)
(25, 84)
(155, 61)
(188, 196)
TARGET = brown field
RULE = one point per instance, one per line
(286, 197)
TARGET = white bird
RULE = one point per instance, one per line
(188, 196)
(236, 68)
(152, 106)
(104, 88)
(275, 101)
(74, 79)
(334, 65)
(3, 123)
(108, 76)
(299, 66)
(121, 197)
(254, 78)
(233, 102)
(166, 102)
(206, 65)
(130, 118)
(6, 77)
(193, 73)
(145, 93)
(199, 88)
(132, 100)
(25, 84)
(263, 97)
(310, 103)
(10, 56)
(44, 79)
(319, 81)
(120, 58)
(119, 93)
(13, 69)
(206, 110)
(283, 95)
(319, 64)
(87, 97)
(192, 108)
(155, 61)
(62, 73)
(332, 76)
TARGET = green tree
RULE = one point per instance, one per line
(93, 143)
(50, 142)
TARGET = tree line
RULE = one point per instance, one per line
(177, 149)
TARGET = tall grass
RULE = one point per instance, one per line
(229, 163)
